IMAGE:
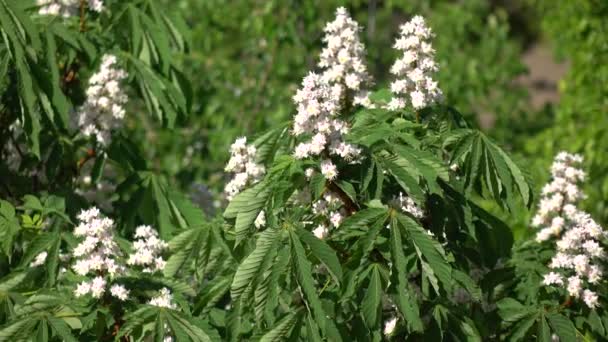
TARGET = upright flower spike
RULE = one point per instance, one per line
(343, 57)
(97, 254)
(579, 244)
(243, 164)
(414, 84)
(103, 110)
(148, 249)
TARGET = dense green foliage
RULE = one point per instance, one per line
(425, 235)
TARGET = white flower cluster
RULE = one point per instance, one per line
(342, 59)
(242, 163)
(415, 68)
(407, 204)
(322, 96)
(103, 109)
(164, 299)
(389, 326)
(97, 253)
(318, 106)
(577, 263)
(39, 259)
(148, 249)
(330, 209)
(66, 8)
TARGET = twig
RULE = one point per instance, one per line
(82, 13)
(90, 155)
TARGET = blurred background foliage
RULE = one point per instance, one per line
(247, 58)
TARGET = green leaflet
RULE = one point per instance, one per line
(280, 331)
(482, 161)
(245, 207)
(249, 268)
(428, 248)
(323, 252)
(406, 302)
(371, 304)
(309, 292)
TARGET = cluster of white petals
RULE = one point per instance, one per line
(342, 59)
(97, 253)
(243, 164)
(67, 8)
(389, 326)
(578, 238)
(39, 259)
(148, 249)
(414, 71)
(318, 106)
(407, 204)
(331, 211)
(260, 220)
(164, 299)
(103, 110)
(119, 291)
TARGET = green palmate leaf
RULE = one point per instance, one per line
(246, 206)
(212, 293)
(190, 329)
(61, 329)
(406, 302)
(465, 281)
(543, 333)
(307, 287)
(562, 326)
(18, 330)
(40, 244)
(40, 302)
(483, 161)
(423, 163)
(428, 248)
(371, 304)
(251, 266)
(281, 330)
(510, 310)
(11, 281)
(323, 252)
(9, 227)
(185, 246)
(522, 327)
(406, 180)
(138, 318)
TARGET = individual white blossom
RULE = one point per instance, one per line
(590, 298)
(321, 231)
(39, 259)
(243, 164)
(119, 291)
(260, 220)
(103, 110)
(329, 169)
(164, 299)
(148, 249)
(553, 278)
(389, 326)
(414, 70)
(578, 239)
(343, 58)
(407, 204)
(67, 8)
(329, 208)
